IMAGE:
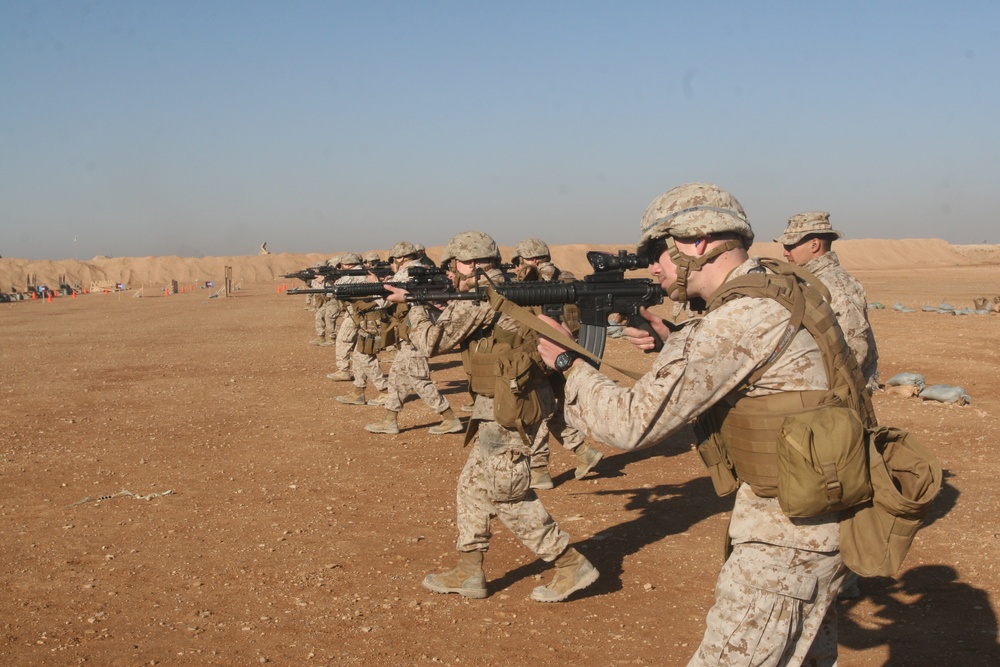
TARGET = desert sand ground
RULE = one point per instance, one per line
(291, 536)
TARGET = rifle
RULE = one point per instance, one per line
(331, 274)
(599, 294)
(421, 277)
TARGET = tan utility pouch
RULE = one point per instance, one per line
(906, 477)
(515, 395)
(713, 453)
(822, 462)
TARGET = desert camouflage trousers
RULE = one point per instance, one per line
(326, 317)
(410, 373)
(346, 335)
(495, 482)
(366, 369)
(773, 606)
(555, 425)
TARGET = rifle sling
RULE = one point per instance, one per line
(530, 320)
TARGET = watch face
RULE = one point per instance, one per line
(564, 361)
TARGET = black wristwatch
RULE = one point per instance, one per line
(565, 361)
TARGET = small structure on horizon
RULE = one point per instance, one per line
(263, 249)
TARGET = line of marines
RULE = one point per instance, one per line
(773, 598)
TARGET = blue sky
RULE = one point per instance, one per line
(207, 127)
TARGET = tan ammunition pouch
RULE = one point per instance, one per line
(375, 330)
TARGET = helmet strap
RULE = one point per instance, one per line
(685, 264)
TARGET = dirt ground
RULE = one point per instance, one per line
(291, 536)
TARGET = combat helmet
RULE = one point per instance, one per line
(335, 260)
(350, 258)
(531, 248)
(402, 249)
(691, 211)
(371, 256)
(470, 245)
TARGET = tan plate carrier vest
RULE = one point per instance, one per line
(740, 436)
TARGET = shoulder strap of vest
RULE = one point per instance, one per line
(807, 299)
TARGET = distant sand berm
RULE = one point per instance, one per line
(137, 272)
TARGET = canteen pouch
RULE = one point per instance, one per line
(515, 399)
(822, 462)
(876, 536)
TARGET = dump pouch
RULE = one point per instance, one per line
(906, 477)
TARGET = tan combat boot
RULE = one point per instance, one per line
(355, 397)
(387, 425)
(339, 376)
(316, 341)
(587, 457)
(449, 424)
(466, 579)
(380, 399)
(573, 573)
(541, 479)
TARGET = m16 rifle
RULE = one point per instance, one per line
(330, 274)
(598, 295)
(421, 277)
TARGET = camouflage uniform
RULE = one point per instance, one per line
(783, 573)
(365, 367)
(847, 295)
(775, 592)
(410, 370)
(496, 452)
(327, 312)
(496, 478)
(850, 305)
(555, 426)
(347, 333)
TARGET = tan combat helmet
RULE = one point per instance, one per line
(402, 249)
(335, 260)
(691, 211)
(371, 256)
(350, 259)
(531, 248)
(469, 246)
(812, 223)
